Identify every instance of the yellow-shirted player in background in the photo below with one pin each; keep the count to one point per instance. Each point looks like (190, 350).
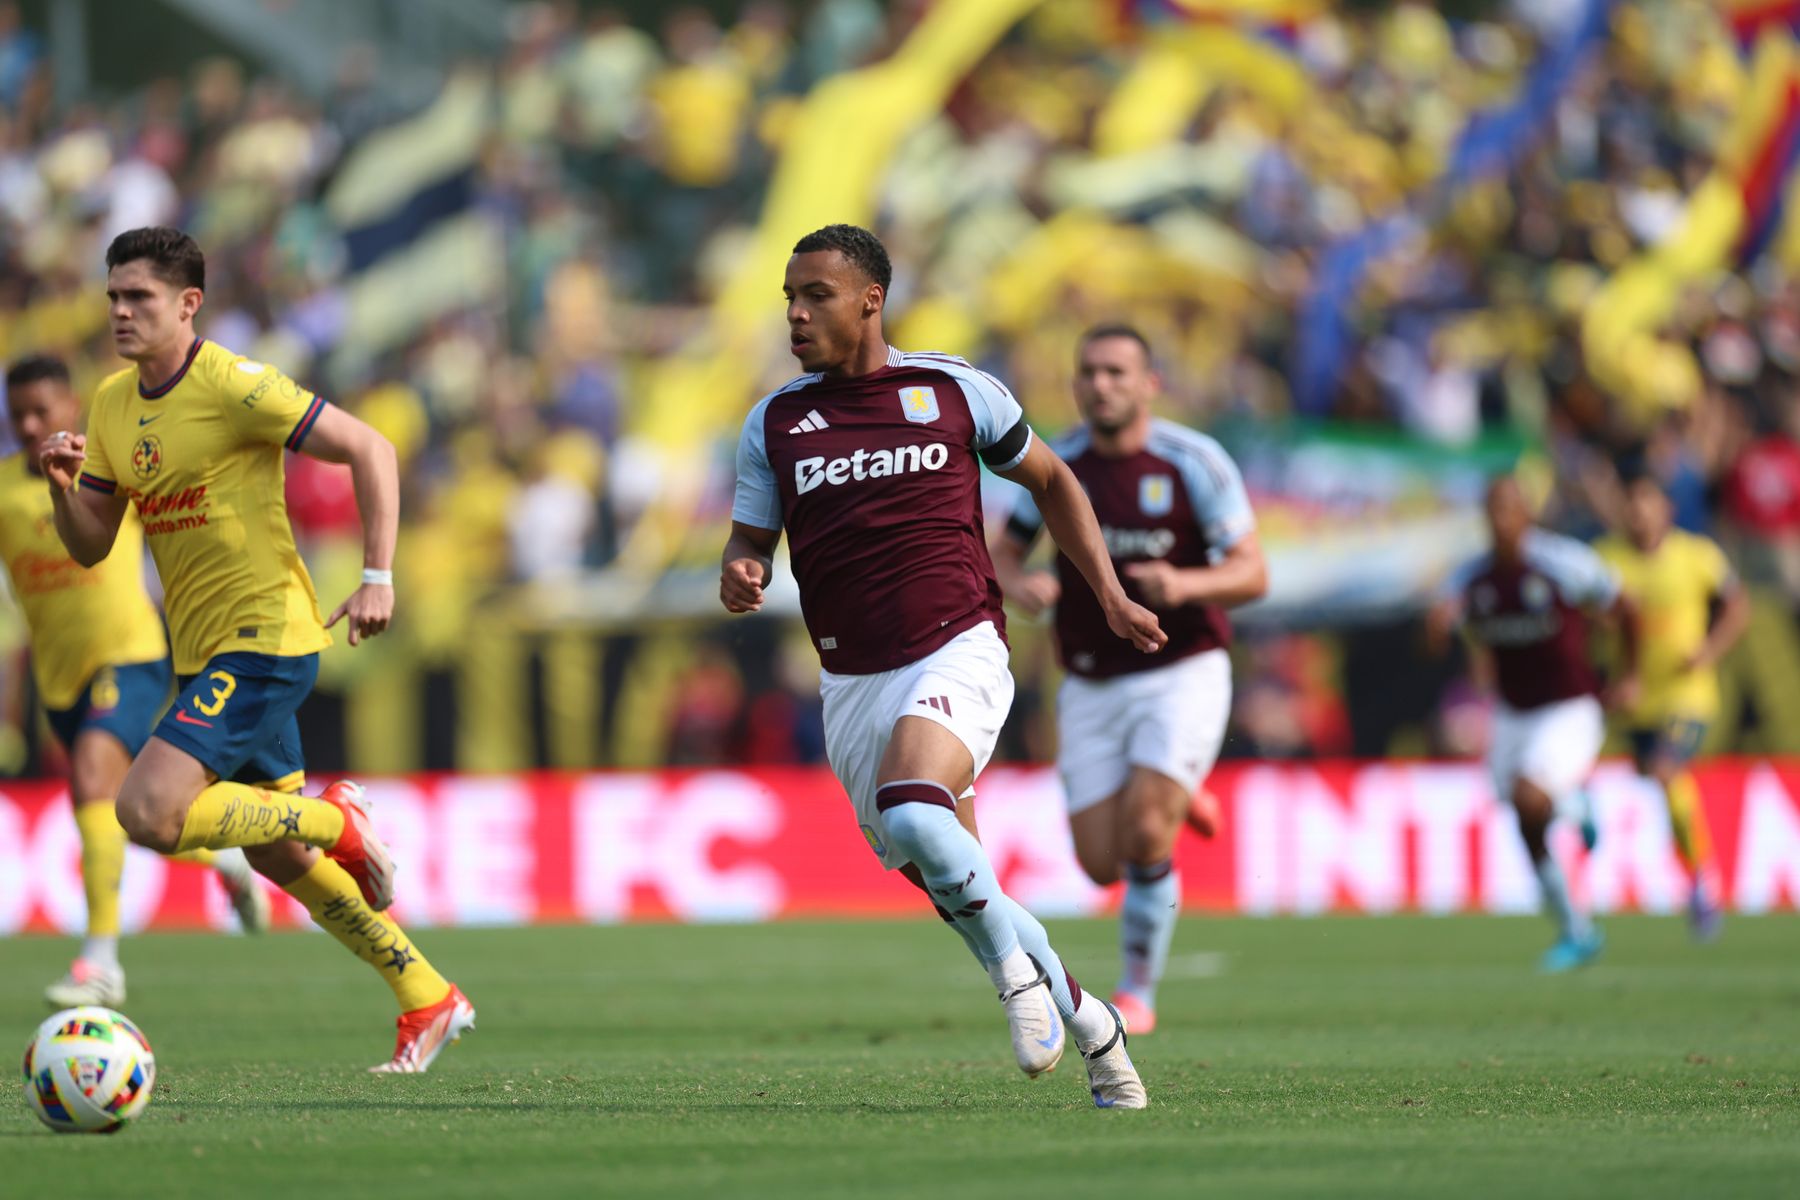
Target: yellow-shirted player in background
(101, 664)
(1679, 581)
(193, 436)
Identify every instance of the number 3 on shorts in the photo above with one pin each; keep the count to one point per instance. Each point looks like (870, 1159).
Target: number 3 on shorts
(221, 693)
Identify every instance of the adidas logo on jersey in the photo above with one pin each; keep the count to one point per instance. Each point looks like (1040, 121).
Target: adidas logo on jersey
(811, 423)
(811, 473)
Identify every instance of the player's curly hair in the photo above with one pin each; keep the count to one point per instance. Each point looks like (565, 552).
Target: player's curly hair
(862, 248)
(173, 255)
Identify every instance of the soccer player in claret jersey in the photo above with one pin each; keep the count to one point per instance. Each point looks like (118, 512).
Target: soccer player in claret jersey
(101, 664)
(1677, 580)
(1527, 607)
(871, 462)
(1137, 735)
(192, 435)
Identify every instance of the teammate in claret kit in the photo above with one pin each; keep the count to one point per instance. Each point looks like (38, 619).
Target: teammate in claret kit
(1137, 735)
(192, 435)
(101, 663)
(1528, 607)
(871, 462)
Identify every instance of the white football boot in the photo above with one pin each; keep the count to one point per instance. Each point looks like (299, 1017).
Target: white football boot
(1112, 1079)
(88, 983)
(1037, 1030)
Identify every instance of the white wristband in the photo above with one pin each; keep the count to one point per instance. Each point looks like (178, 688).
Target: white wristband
(384, 578)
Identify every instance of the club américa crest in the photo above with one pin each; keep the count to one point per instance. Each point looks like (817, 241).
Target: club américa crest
(147, 457)
(103, 693)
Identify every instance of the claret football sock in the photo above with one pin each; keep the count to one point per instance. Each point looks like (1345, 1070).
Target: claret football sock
(337, 907)
(102, 865)
(235, 814)
(920, 820)
(1147, 926)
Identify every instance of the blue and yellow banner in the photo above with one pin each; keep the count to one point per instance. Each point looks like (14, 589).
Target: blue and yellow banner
(1737, 214)
(1491, 141)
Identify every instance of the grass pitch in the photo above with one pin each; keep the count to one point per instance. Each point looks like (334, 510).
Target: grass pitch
(1333, 1057)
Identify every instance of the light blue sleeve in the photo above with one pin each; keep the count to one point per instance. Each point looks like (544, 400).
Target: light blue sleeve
(1575, 568)
(1214, 485)
(995, 411)
(757, 501)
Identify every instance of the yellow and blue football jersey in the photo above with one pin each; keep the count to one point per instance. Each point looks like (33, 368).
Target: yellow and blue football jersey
(200, 457)
(81, 619)
(1673, 587)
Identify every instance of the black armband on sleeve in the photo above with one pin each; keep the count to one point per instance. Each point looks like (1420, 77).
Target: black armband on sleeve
(1022, 532)
(1006, 451)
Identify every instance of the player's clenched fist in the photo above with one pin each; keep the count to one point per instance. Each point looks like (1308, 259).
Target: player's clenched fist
(1158, 581)
(741, 585)
(1137, 625)
(1035, 592)
(61, 457)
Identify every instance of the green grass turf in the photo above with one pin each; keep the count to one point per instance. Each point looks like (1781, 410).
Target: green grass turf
(1333, 1057)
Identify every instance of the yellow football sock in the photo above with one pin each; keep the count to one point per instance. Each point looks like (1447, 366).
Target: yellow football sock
(1693, 838)
(199, 856)
(235, 814)
(336, 905)
(102, 863)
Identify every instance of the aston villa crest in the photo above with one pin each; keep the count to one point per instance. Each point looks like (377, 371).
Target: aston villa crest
(1156, 495)
(919, 404)
(1534, 591)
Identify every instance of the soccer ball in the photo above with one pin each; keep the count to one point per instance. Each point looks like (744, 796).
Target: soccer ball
(88, 1070)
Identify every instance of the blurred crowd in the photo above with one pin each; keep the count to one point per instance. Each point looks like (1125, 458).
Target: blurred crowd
(614, 156)
(1079, 173)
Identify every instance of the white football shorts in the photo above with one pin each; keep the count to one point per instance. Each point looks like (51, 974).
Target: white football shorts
(1170, 719)
(964, 685)
(1554, 746)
